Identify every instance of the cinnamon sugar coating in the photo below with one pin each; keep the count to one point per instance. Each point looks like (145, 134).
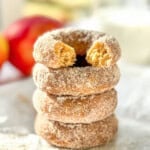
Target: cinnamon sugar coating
(59, 48)
(75, 109)
(75, 81)
(76, 135)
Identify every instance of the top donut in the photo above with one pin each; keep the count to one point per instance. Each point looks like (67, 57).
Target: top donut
(76, 47)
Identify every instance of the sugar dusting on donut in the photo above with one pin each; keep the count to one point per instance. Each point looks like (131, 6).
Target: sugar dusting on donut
(75, 109)
(75, 80)
(77, 135)
(61, 47)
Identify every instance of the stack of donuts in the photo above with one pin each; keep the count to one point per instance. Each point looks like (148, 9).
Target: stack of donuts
(75, 74)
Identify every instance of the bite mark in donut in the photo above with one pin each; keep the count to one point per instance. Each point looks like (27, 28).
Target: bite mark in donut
(98, 55)
(76, 48)
(65, 54)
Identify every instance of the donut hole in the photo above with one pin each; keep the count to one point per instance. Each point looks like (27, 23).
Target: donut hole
(81, 61)
(99, 55)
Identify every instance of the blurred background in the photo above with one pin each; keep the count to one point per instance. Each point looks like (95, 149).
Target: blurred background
(127, 20)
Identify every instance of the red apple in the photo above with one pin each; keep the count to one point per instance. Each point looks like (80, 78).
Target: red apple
(21, 36)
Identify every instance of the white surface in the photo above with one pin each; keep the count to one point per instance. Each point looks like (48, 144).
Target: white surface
(133, 111)
(16, 109)
(9, 73)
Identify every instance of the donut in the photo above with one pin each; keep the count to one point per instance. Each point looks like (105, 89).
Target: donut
(75, 80)
(76, 135)
(66, 47)
(69, 109)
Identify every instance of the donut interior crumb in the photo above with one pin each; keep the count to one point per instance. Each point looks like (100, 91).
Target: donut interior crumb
(98, 55)
(66, 55)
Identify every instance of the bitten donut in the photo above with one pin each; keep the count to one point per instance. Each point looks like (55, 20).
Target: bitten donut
(75, 80)
(76, 135)
(69, 109)
(67, 47)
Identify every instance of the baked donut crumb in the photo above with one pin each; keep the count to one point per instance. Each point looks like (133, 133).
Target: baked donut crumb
(65, 54)
(98, 55)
